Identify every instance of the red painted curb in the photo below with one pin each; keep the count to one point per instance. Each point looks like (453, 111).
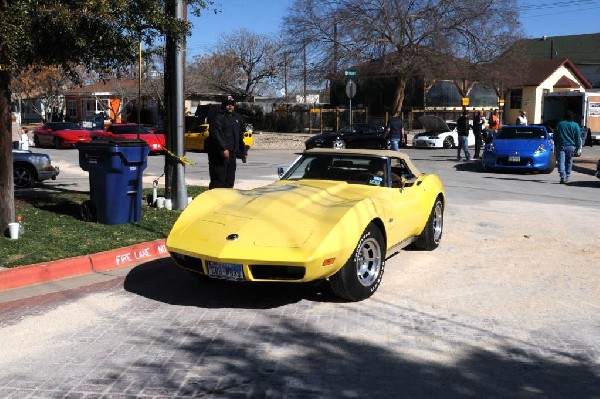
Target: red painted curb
(113, 259)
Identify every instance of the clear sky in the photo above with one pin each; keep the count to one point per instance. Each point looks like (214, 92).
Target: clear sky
(539, 18)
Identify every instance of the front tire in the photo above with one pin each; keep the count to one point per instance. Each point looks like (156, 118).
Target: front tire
(551, 164)
(360, 277)
(448, 142)
(339, 144)
(36, 141)
(431, 236)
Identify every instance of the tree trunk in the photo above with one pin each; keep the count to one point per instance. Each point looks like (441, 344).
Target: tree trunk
(7, 194)
(399, 96)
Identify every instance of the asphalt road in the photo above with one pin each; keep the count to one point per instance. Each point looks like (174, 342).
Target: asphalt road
(506, 307)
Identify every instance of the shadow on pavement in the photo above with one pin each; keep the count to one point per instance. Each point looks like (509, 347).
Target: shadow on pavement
(163, 281)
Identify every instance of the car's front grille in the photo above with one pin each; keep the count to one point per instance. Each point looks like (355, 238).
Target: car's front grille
(188, 262)
(277, 272)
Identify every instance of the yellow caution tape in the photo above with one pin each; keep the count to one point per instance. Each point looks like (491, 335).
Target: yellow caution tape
(182, 159)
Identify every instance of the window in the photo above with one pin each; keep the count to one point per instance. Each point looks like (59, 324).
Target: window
(516, 98)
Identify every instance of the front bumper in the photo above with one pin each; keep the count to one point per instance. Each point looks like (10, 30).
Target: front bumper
(427, 143)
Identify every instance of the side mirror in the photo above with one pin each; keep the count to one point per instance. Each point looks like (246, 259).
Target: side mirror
(280, 171)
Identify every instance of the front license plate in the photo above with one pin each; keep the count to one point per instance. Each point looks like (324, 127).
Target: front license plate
(514, 159)
(225, 271)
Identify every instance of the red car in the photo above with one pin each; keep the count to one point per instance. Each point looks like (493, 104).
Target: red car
(60, 135)
(120, 131)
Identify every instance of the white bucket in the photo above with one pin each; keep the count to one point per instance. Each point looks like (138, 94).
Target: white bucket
(13, 230)
(168, 204)
(189, 200)
(160, 202)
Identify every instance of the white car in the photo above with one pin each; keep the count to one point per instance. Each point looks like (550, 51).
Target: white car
(439, 133)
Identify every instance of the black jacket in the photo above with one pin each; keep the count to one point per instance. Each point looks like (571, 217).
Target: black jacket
(226, 132)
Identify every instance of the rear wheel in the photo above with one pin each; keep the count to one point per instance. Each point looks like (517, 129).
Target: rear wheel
(339, 144)
(360, 277)
(57, 143)
(448, 142)
(432, 233)
(24, 176)
(36, 141)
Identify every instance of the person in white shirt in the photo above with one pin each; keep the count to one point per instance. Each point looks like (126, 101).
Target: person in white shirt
(522, 119)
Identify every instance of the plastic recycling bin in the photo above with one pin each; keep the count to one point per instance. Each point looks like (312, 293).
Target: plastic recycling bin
(115, 171)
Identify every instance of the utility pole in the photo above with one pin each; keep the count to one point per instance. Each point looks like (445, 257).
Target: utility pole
(174, 168)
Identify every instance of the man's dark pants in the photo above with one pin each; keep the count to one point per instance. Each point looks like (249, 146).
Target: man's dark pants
(221, 172)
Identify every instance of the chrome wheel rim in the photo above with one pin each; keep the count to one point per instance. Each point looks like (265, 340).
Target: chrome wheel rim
(368, 261)
(338, 145)
(438, 222)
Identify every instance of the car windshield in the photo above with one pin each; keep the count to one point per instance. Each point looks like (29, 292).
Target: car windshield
(521, 133)
(193, 124)
(62, 126)
(353, 169)
(129, 129)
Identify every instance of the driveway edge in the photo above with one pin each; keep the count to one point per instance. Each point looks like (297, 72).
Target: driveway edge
(133, 255)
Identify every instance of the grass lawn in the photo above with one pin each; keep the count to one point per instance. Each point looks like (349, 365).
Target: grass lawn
(55, 230)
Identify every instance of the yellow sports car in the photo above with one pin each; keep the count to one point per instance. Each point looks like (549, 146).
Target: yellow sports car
(334, 214)
(196, 133)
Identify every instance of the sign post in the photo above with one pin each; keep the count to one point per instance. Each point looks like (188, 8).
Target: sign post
(350, 91)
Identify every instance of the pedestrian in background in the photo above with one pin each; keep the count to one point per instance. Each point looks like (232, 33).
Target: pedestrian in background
(395, 132)
(522, 118)
(462, 127)
(478, 122)
(494, 123)
(224, 144)
(567, 141)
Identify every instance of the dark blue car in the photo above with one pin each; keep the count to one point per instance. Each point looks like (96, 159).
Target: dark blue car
(527, 148)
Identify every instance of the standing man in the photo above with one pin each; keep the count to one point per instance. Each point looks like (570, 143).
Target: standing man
(462, 127)
(478, 122)
(567, 140)
(224, 144)
(395, 131)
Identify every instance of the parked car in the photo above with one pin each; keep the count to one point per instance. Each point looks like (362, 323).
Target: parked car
(335, 214)
(121, 131)
(357, 135)
(439, 133)
(31, 167)
(196, 132)
(60, 135)
(520, 147)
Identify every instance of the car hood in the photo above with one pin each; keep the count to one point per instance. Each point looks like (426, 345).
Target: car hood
(284, 214)
(512, 145)
(433, 123)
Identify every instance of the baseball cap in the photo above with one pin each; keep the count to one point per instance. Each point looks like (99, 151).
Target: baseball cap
(229, 100)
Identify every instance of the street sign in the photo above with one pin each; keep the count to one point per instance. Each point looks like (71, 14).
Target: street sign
(465, 101)
(350, 73)
(350, 89)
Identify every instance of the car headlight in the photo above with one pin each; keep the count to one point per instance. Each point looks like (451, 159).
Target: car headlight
(541, 148)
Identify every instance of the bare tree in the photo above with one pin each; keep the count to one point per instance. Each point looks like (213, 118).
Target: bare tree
(46, 84)
(406, 38)
(244, 64)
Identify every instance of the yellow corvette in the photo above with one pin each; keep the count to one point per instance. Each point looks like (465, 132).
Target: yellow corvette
(196, 133)
(334, 214)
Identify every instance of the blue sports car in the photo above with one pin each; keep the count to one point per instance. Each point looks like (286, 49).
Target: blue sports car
(521, 148)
